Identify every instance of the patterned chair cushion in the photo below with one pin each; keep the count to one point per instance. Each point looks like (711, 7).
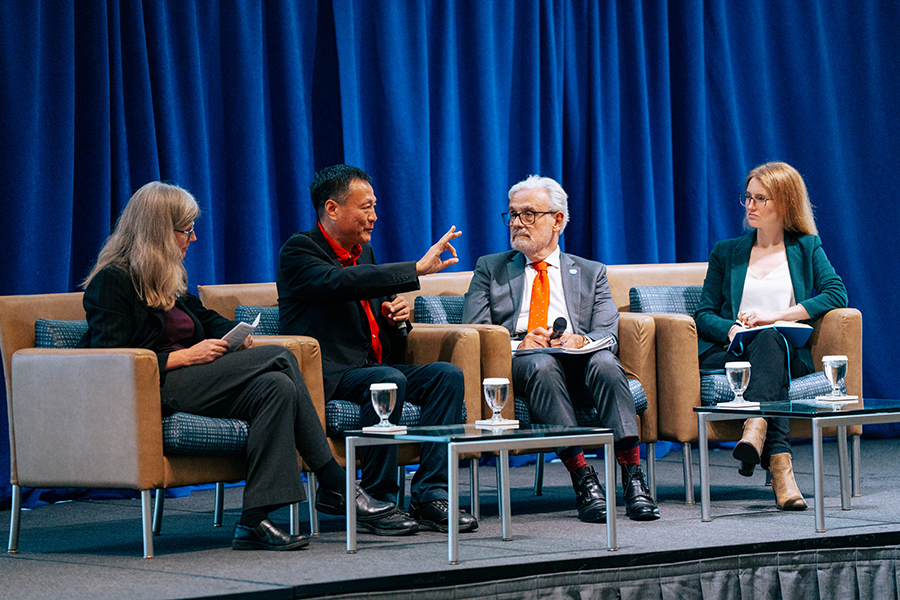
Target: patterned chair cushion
(586, 416)
(182, 433)
(53, 333)
(680, 299)
(343, 415)
(714, 388)
(268, 318)
(445, 310)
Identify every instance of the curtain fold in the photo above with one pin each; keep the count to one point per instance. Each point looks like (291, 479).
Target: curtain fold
(649, 113)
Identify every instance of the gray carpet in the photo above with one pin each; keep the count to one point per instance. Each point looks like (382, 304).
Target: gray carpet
(93, 548)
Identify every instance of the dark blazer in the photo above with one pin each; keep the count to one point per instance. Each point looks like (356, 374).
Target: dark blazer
(816, 286)
(498, 284)
(119, 318)
(320, 298)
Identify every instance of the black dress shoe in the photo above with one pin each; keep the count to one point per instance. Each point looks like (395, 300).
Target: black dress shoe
(435, 516)
(639, 504)
(331, 502)
(397, 523)
(589, 498)
(266, 536)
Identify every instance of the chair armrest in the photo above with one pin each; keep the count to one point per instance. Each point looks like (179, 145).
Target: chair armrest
(86, 417)
(840, 332)
(456, 344)
(637, 353)
(309, 357)
(677, 377)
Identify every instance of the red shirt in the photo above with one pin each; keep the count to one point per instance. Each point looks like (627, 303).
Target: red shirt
(347, 258)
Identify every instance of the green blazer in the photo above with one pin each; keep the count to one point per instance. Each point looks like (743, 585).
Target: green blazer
(816, 286)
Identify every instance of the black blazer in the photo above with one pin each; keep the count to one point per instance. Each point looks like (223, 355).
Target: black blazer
(320, 298)
(119, 318)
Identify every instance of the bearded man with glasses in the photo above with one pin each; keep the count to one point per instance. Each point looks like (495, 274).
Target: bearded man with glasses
(533, 285)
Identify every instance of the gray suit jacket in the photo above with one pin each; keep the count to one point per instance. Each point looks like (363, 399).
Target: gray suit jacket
(495, 294)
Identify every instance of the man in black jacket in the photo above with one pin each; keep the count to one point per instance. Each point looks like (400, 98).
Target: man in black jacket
(330, 288)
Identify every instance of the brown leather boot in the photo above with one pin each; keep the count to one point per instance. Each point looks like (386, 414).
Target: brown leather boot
(787, 494)
(749, 449)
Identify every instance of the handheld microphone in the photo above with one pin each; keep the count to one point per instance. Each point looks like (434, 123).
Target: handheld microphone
(559, 327)
(402, 327)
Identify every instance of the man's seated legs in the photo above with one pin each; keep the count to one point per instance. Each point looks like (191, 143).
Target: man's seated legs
(438, 389)
(598, 380)
(379, 463)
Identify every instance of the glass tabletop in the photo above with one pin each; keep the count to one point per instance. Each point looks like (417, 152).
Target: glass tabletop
(456, 433)
(808, 408)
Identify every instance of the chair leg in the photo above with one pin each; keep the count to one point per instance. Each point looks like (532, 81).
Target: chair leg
(311, 495)
(474, 487)
(146, 522)
(768, 478)
(856, 463)
(14, 515)
(651, 468)
(401, 483)
(158, 510)
(688, 476)
(539, 475)
(220, 504)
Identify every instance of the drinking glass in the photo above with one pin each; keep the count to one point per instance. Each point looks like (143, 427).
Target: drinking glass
(835, 368)
(496, 392)
(738, 374)
(384, 397)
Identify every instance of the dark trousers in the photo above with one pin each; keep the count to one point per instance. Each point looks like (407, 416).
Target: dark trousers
(264, 387)
(552, 383)
(773, 363)
(439, 390)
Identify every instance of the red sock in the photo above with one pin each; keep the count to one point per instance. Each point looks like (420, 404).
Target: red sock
(629, 457)
(576, 462)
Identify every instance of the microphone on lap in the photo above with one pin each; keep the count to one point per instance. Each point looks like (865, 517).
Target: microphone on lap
(559, 327)
(402, 327)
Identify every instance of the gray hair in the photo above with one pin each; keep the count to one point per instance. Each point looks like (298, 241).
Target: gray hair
(557, 195)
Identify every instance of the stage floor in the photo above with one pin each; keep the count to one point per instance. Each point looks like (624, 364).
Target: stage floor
(93, 548)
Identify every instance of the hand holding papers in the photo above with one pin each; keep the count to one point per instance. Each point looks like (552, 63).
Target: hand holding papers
(587, 349)
(237, 336)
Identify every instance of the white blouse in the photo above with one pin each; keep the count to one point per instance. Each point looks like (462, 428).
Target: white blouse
(771, 293)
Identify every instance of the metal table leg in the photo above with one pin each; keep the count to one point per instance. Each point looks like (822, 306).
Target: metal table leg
(818, 475)
(703, 447)
(609, 462)
(844, 466)
(503, 490)
(350, 498)
(453, 493)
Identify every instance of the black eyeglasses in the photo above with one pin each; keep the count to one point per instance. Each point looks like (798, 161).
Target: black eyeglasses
(526, 218)
(746, 197)
(188, 232)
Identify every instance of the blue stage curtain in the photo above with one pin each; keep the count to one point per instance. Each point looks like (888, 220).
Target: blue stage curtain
(649, 113)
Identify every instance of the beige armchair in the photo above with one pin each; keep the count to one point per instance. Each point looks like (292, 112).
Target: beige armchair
(92, 417)
(678, 370)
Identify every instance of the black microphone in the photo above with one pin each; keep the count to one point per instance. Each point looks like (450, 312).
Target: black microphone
(402, 327)
(559, 327)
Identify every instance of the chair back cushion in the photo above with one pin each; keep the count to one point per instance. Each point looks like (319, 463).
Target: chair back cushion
(714, 388)
(343, 415)
(445, 310)
(268, 318)
(54, 333)
(183, 433)
(679, 299)
(586, 416)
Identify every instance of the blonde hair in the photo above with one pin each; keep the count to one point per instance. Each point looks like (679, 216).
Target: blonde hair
(786, 188)
(143, 243)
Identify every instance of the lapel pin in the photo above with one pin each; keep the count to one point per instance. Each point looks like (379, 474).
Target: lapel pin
(573, 271)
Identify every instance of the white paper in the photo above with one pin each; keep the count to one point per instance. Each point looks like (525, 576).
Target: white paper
(237, 336)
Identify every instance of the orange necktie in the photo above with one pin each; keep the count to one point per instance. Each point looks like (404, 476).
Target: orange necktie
(540, 297)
